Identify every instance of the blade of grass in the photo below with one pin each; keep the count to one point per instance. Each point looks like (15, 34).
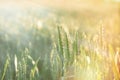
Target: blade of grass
(5, 68)
(34, 69)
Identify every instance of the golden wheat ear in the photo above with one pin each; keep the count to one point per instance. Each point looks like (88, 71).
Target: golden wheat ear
(117, 59)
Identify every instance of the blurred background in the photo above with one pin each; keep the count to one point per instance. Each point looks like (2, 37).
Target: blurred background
(91, 12)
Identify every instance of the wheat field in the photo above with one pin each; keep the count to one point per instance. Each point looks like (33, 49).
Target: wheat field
(60, 40)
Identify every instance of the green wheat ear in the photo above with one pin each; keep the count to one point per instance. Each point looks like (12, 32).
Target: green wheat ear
(75, 47)
(67, 48)
(60, 45)
(76, 44)
(60, 41)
